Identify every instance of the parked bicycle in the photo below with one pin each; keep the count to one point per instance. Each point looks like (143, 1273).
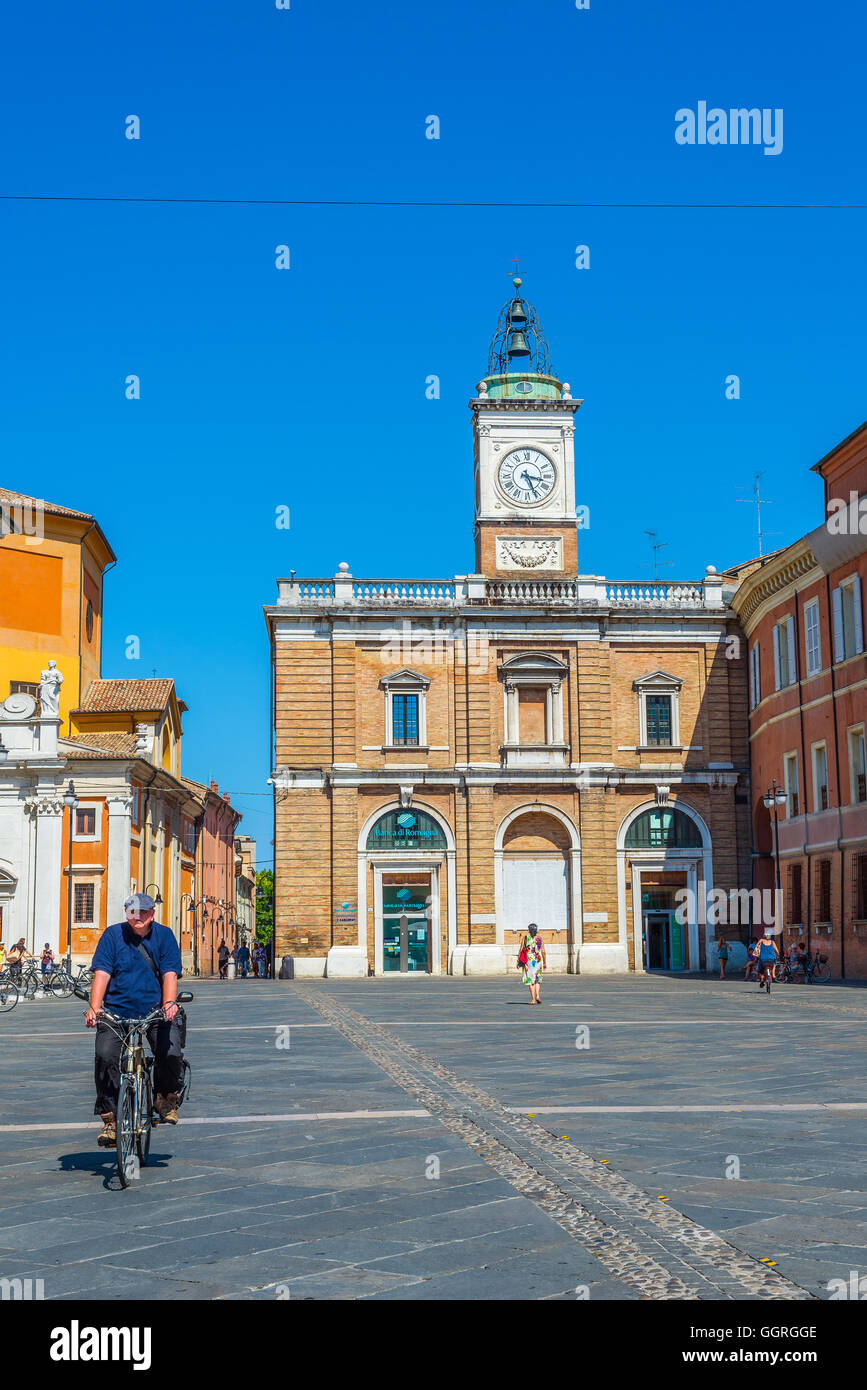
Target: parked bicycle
(815, 970)
(135, 1113)
(8, 993)
(63, 981)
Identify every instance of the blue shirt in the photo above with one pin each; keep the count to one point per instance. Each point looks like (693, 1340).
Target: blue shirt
(133, 989)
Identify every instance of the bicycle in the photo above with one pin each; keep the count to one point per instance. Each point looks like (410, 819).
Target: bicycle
(813, 970)
(135, 1117)
(8, 993)
(63, 983)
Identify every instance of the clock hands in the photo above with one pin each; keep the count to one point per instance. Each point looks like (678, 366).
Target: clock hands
(531, 482)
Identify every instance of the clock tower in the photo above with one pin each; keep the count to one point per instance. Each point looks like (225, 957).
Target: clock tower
(523, 436)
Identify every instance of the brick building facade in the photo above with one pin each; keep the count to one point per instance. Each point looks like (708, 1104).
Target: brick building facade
(801, 610)
(455, 758)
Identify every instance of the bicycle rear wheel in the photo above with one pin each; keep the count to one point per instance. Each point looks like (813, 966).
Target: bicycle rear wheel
(8, 996)
(821, 972)
(127, 1157)
(185, 1088)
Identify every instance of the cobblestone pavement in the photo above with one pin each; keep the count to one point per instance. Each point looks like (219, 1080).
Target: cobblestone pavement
(647, 1244)
(439, 1139)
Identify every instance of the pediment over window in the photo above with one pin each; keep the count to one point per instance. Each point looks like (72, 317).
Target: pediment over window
(534, 667)
(657, 680)
(405, 679)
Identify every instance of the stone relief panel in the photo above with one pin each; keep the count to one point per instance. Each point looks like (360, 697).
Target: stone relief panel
(528, 554)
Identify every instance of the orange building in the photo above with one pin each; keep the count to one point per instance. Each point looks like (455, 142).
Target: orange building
(52, 563)
(135, 825)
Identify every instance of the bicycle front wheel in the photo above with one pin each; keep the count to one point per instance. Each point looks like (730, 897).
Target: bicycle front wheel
(8, 996)
(127, 1157)
(145, 1113)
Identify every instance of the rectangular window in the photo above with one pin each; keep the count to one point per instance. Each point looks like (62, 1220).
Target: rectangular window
(857, 765)
(85, 821)
(404, 715)
(24, 688)
(859, 894)
(784, 653)
(823, 890)
(820, 777)
(795, 897)
(189, 837)
(848, 630)
(755, 676)
(812, 641)
(790, 781)
(136, 806)
(83, 903)
(659, 720)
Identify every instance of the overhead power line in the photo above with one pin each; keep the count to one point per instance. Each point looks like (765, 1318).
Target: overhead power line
(417, 203)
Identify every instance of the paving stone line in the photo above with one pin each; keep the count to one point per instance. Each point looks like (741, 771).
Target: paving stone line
(697, 1261)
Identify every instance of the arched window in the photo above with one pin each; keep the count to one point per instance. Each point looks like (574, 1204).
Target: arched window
(663, 828)
(406, 830)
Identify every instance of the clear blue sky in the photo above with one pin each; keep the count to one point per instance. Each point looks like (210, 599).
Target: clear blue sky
(307, 387)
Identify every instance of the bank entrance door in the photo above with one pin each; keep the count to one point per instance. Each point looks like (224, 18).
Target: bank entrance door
(664, 935)
(406, 937)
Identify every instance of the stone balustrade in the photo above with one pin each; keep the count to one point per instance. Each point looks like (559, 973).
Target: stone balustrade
(583, 591)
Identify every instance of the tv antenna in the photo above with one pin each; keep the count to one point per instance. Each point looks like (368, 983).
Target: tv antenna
(656, 546)
(758, 502)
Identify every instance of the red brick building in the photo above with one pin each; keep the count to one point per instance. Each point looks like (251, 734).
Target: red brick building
(801, 611)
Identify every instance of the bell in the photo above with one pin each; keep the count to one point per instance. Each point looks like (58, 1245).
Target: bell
(518, 346)
(517, 313)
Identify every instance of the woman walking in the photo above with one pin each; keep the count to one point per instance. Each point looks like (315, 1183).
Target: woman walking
(722, 955)
(531, 959)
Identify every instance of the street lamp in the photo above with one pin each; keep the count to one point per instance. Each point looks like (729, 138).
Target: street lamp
(774, 797)
(158, 900)
(70, 801)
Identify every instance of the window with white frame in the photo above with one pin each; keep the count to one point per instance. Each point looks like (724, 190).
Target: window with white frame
(533, 700)
(658, 710)
(857, 764)
(755, 676)
(820, 777)
(790, 782)
(784, 653)
(84, 904)
(87, 821)
(405, 709)
(812, 639)
(848, 627)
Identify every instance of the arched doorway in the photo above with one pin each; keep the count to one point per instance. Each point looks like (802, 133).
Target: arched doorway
(661, 851)
(406, 876)
(538, 879)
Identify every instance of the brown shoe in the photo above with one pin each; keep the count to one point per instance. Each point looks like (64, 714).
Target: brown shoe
(166, 1108)
(108, 1138)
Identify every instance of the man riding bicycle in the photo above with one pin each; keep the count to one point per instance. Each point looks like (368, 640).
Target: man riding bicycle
(136, 968)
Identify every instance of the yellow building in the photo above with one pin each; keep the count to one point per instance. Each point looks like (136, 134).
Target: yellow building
(52, 563)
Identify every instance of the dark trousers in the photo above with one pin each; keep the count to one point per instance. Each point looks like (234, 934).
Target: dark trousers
(166, 1041)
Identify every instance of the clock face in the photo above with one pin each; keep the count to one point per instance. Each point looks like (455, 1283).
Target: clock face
(526, 476)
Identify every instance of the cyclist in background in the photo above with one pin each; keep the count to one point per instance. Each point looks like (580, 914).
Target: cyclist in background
(768, 957)
(136, 968)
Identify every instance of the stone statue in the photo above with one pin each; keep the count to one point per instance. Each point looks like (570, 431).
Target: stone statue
(49, 691)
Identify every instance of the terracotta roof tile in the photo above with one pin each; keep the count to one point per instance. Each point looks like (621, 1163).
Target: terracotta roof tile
(127, 695)
(100, 745)
(13, 499)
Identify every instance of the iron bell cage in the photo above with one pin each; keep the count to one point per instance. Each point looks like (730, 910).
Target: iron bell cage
(519, 346)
